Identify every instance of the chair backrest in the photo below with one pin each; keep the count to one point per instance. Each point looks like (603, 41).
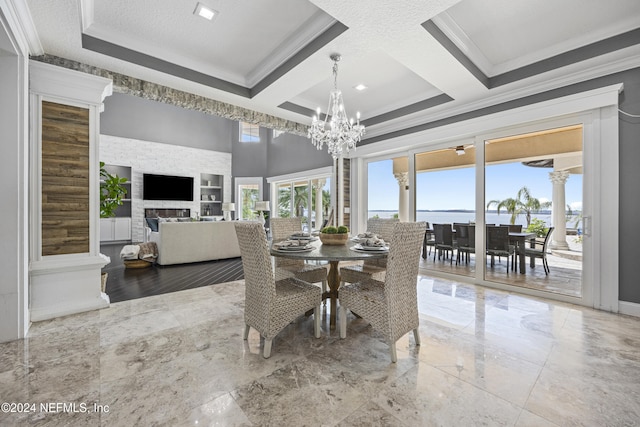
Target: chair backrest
(546, 239)
(281, 229)
(513, 228)
(498, 238)
(400, 286)
(260, 287)
(383, 227)
(462, 234)
(443, 234)
(472, 236)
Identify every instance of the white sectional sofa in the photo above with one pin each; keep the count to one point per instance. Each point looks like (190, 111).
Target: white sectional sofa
(185, 242)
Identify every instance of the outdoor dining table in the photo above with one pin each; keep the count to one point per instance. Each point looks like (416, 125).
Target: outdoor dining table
(519, 239)
(333, 254)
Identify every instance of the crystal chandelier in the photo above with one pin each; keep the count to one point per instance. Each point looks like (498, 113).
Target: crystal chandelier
(336, 130)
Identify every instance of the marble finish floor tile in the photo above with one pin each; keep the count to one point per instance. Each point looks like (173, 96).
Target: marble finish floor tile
(487, 357)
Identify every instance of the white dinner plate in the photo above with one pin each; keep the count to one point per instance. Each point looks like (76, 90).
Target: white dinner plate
(295, 248)
(309, 238)
(370, 248)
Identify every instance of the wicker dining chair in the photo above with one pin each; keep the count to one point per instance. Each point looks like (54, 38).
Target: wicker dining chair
(390, 306)
(281, 229)
(375, 268)
(271, 305)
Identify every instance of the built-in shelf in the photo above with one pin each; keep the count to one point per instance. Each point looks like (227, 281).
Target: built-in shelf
(211, 194)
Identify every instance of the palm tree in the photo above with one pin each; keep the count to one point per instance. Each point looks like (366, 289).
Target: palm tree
(524, 203)
(300, 198)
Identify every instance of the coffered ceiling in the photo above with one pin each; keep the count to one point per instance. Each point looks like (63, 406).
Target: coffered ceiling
(420, 59)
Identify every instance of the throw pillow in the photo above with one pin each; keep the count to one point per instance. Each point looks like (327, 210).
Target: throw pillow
(152, 223)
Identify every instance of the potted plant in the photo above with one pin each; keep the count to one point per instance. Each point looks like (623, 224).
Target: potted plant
(111, 194)
(334, 235)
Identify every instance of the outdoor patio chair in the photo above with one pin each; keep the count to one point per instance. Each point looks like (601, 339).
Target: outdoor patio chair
(470, 247)
(498, 245)
(443, 241)
(271, 305)
(428, 242)
(462, 238)
(391, 307)
(534, 253)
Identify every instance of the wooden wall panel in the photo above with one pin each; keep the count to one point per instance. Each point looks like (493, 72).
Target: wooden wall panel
(65, 179)
(346, 203)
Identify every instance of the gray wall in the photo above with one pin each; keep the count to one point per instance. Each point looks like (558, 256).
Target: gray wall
(629, 192)
(291, 153)
(285, 154)
(129, 116)
(250, 158)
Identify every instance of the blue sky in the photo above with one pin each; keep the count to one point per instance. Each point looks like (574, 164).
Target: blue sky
(455, 189)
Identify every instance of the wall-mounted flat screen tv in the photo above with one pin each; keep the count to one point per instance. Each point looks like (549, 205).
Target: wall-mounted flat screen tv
(166, 187)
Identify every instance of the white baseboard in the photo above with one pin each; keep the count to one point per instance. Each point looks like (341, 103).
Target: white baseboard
(630, 308)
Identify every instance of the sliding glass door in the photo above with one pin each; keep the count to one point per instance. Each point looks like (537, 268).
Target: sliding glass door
(533, 186)
(445, 196)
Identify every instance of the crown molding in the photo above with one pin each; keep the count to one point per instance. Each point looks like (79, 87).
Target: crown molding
(87, 8)
(315, 26)
(19, 19)
(452, 30)
(625, 59)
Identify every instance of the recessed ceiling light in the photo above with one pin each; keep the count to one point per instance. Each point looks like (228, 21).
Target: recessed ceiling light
(360, 87)
(205, 12)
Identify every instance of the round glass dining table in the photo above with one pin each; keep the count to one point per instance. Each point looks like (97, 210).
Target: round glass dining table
(333, 254)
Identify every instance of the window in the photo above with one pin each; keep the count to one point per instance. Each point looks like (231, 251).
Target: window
(248, 192)
(304, 194)
(249, 132)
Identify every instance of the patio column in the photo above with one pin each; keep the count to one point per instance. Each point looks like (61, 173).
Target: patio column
(319, 185)
(559, 236)
(403, 197)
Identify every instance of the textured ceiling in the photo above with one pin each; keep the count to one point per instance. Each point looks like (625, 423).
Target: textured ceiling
(419, 58)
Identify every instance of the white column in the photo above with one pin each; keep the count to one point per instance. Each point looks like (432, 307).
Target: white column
(68, 283)
(559, 236)
(319, 219)
(403, 195)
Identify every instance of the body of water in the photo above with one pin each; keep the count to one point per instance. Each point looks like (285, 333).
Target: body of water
(446, 217)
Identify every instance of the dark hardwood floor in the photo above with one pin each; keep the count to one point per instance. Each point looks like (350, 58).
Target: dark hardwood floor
(130, 283)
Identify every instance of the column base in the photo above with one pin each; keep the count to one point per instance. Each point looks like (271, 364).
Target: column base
(66, 285)
(561, 246)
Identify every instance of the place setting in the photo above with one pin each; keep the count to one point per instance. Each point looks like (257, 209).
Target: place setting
(369, 242)
(302, 236)
(293, 245)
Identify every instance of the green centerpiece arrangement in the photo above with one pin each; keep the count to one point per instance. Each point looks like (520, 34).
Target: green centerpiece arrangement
(334, 235)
